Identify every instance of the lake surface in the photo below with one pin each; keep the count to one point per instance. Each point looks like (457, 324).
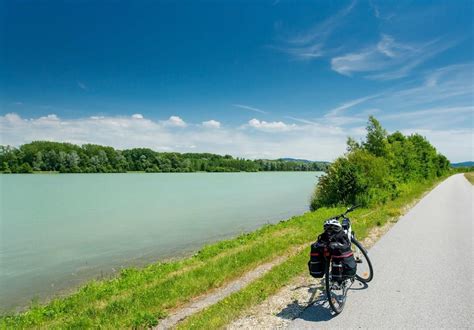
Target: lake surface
(57, 231)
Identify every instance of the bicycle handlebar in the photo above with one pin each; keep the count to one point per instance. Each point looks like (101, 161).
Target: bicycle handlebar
(349, 209)
(352, 208)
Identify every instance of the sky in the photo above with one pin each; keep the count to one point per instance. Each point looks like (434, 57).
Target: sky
(255, 79)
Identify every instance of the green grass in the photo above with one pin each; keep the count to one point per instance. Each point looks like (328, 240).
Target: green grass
(140, 297)
(470, 177)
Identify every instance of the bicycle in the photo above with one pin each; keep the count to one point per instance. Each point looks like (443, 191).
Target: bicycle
(336, 291)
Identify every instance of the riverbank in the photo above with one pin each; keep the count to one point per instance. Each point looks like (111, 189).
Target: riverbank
(140, 297)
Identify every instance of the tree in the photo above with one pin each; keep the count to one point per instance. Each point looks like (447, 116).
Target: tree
(352, 144)
(375, 142)
(374, 172)
(88, 158)
(6, 168)
(38, 163)
(25, 168)
(72, 161)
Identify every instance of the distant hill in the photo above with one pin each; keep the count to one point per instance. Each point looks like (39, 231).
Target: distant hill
(303, 160)
(463, 164)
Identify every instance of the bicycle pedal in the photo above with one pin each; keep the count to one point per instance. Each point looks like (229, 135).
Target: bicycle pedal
(358, 261)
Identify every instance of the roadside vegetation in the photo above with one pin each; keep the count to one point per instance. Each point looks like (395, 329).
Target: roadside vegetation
(141, 297)
(44, 156)
(470, 177)
(375, 170)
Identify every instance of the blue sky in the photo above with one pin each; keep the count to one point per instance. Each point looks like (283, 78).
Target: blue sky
(259, 79)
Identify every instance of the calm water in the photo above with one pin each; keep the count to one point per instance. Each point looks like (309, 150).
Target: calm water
(59, 230)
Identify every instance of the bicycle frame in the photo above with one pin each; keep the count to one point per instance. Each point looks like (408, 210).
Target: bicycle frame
(360, 254)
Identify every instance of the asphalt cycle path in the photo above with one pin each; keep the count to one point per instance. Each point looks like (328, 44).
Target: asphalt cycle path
(423, 270)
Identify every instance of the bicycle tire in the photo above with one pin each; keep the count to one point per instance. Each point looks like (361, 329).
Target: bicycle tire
(369, 263)
(337, 309)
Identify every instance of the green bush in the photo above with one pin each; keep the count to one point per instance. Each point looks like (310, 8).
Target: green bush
(371, 172)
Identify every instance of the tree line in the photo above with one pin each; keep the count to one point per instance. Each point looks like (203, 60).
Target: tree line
(378, 168)
(91, 158)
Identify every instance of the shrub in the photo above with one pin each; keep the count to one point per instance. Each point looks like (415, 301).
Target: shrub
(372, 171)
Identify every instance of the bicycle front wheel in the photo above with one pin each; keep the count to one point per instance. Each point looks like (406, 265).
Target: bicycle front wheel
(336, 292)
(365, 271)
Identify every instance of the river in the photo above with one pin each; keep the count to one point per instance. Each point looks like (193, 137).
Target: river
(59, 230)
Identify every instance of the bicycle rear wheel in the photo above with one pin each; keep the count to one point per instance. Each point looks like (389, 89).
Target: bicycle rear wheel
(365, 271)
(336, 292)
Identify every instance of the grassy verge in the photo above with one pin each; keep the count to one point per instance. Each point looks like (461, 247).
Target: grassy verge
(470, 177)
(235, 305)
(139, 297)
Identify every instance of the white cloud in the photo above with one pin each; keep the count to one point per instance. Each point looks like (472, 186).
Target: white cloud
(314, 142)
(310, 139)
(247, 107)
(273, 126)
(175, 121)
(211, 124)
(388, 59)
(137, 116)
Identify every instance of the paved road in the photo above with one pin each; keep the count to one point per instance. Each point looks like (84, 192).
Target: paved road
(423, 270)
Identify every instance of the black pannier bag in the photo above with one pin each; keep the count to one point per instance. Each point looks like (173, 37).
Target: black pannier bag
(343, 266)
(339, 247)
(342, 258)
(317, 262)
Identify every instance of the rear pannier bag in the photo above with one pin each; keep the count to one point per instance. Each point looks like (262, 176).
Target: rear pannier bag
(317, 262)
(343, 266)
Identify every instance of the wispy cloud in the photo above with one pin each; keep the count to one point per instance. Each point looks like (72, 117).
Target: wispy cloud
(388, 59)
(82, 86)
(450, 86)
(247, 107)
(430, 112)
(378, 14)
(311, 44)
(349, 104)
(302, 120)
